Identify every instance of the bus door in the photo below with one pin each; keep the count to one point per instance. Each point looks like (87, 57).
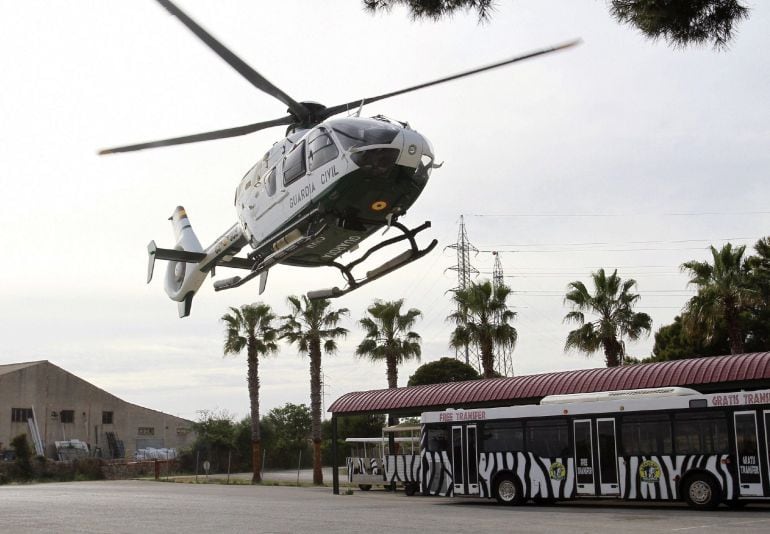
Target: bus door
(608, 457)
(747, 450)
(465, 460)
(584, 462)
(767, 441)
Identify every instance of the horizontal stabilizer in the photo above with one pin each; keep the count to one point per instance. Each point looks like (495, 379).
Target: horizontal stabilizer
(156, 253)
(179, 255)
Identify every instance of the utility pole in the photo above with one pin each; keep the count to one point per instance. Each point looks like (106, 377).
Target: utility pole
(465, 271)
(504, 356)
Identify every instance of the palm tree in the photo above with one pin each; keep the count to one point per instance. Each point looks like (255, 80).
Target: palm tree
(724, 292)
(310, 323)
(482, 319)
(759, 268)
(613, 302)
(250, 327)
(388, 336)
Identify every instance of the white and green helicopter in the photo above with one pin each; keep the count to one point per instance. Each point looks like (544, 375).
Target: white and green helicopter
(315, 195)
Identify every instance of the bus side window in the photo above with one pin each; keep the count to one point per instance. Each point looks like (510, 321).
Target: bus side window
(438, 439)
(646, 434)
(701, 433)
(502, 437)
(548, 439)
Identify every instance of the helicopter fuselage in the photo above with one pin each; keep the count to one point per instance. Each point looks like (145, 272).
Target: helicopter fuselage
(345, 177)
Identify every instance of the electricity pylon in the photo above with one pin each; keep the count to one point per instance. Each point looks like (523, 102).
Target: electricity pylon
(504, 356)
(465, 270)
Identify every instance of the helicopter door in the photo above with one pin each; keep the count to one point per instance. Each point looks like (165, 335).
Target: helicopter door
(323, 163)
(296, 187)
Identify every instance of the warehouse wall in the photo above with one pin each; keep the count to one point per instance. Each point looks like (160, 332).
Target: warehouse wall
(67, 407)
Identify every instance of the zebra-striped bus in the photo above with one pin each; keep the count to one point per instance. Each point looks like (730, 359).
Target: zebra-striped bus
(648, 444)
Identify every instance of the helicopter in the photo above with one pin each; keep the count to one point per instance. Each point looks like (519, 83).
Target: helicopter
(315, 195)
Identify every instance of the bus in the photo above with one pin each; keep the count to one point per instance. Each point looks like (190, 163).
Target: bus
(647, 444)
(372, 463)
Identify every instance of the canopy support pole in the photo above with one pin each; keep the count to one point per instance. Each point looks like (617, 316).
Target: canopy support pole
(335, 467)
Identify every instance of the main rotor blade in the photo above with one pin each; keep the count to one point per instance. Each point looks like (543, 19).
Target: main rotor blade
(207, 136)
(355, 103)
(256, 79)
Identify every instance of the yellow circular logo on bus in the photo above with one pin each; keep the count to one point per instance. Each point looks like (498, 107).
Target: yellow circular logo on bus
(557, 471)
(379, 205)
(649, 471)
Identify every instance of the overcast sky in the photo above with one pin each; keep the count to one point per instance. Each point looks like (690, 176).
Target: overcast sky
(621, 153)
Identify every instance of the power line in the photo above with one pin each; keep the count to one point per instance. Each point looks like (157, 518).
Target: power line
(664, 214)
(594, 250)
(621, 242)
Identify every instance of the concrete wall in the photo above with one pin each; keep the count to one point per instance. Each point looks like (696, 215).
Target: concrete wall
(49, 390)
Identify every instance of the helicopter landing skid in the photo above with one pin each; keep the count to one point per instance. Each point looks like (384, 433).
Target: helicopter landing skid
(273, 259)
(414, 253)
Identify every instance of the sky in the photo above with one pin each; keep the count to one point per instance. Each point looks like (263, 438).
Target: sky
(621, 153)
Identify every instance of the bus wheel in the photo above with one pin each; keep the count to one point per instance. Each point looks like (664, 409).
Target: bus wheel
(364, 487)
(701, 492)
(411, 488)
(508, 490)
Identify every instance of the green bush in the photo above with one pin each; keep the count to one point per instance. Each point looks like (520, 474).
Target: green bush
(23, 464)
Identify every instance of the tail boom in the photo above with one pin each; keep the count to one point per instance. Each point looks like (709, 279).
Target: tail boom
(189, 264)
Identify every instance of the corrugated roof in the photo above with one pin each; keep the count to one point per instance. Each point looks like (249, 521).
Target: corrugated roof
(704, 374)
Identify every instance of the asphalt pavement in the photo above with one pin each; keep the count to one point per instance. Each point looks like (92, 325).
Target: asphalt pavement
(149, 506)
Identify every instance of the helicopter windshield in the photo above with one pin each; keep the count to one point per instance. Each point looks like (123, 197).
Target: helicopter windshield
(362, 132)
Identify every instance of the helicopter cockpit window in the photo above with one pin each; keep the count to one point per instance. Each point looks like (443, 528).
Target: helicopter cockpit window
(294, 164)
(363, 132)
(321, 150)
(270, 183)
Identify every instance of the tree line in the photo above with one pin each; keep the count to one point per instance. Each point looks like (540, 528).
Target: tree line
(312, 326)
(226, 442)
(729, 313)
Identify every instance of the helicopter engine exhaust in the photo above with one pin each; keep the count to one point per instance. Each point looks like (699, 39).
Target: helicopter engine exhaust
(183, 279)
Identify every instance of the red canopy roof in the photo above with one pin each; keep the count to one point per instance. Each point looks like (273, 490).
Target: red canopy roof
(717, 373)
